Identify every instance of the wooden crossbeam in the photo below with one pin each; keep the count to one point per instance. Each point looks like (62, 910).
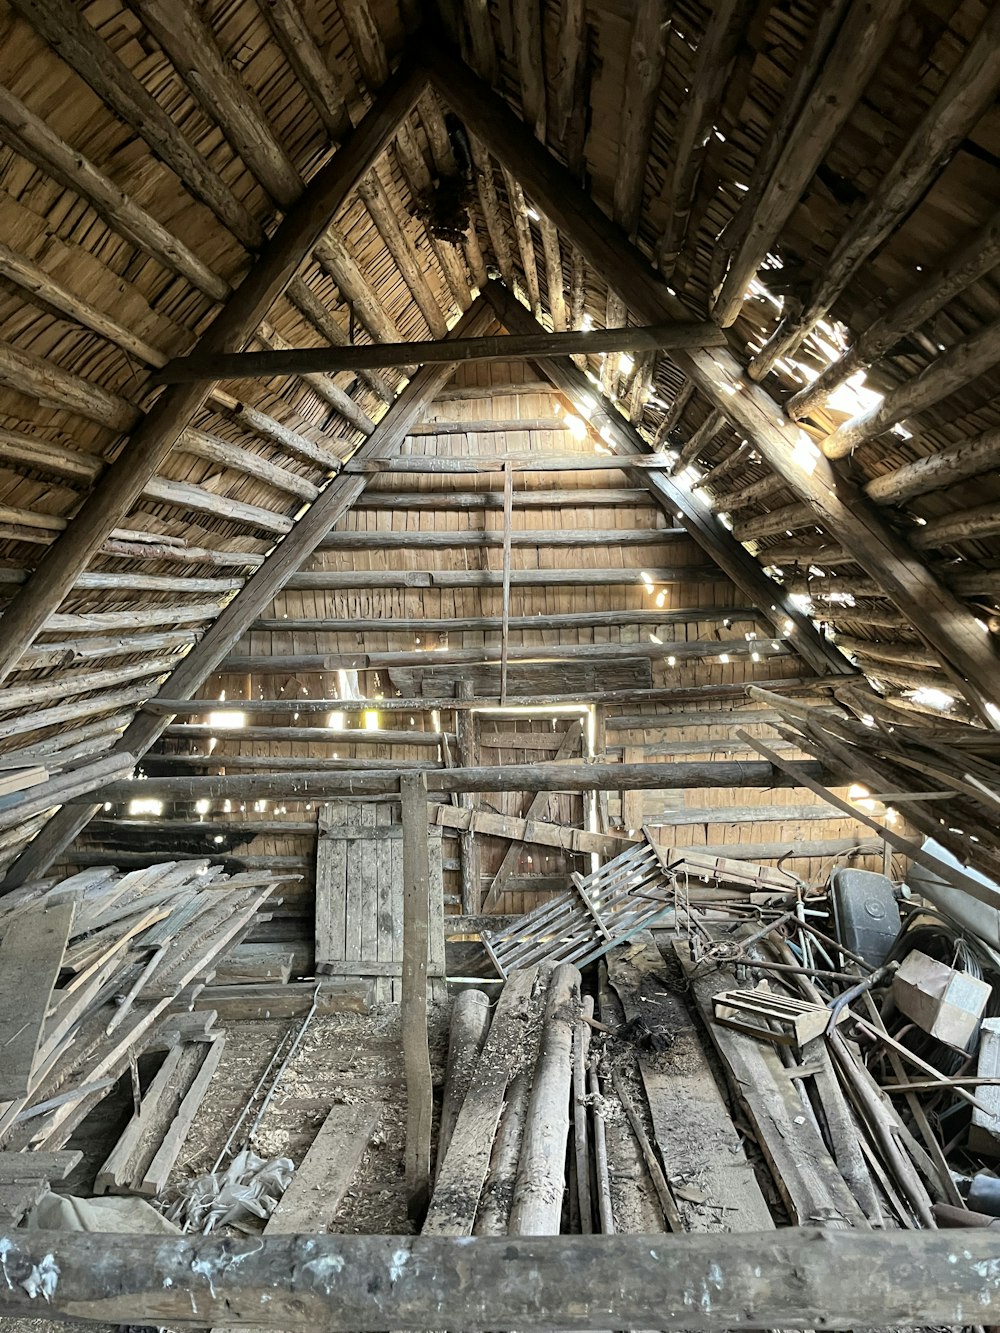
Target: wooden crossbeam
(312, 360)
(789, 1278)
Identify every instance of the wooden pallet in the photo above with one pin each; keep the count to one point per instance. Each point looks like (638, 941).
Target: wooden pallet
(359, 896)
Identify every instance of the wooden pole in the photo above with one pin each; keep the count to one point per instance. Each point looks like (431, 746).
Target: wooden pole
(509, 347)
(156, 435)
(508, 506)
(470, 1022)
(468, 844)
(790, 1278)
(323, 784)
(536, 1209)
(959, 462)
(416, 937)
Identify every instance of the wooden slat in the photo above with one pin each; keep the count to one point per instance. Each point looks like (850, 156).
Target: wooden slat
(31, 956)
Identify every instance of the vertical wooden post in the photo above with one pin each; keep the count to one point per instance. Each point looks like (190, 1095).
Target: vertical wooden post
(508, 507)
(416, 1056)
(600, 750)
(468, 757)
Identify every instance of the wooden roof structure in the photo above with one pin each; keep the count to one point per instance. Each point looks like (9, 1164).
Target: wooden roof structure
(819, 182)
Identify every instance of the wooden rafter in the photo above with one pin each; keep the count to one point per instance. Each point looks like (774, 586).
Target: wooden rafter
(157, 433)
(945, 623)
(259, 590)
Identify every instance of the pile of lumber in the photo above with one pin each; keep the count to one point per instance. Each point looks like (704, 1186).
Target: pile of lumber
(89, 968)
(501, 1162)
(940, 773)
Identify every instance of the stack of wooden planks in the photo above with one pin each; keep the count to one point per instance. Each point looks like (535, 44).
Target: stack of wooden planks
(87, 967)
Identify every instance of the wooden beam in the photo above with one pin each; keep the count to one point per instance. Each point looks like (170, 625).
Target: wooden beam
(459, 624)
(321, 317)
(262, 587)
(966, 96)
(963, 526)
(472, 540)
(261, 663)
(509, 347)
(938, 616)
(699, 439)
(489, 426)
(646, 59)
(159, 430)
(843, 74)
(30, 136)
(810, 62)
(416, 939)
(163, 705)
(675, 499)
(316, 579)
(217, 88)
(582, 497)
(959, 462)
(792, 1277)
(933, 291)
(325, 784)
(80, 45)
(959, 365)
(713, 61)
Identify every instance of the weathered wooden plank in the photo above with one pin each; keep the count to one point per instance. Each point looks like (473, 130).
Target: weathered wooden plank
(416, 927)
(322, 1177)
(691, 1123)
(31, 955)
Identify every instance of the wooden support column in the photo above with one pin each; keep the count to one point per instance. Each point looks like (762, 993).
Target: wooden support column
(416, 937)
(158, 432)
(938, 616)
(468, 845)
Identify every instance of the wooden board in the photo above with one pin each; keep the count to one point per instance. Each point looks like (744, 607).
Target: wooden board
(359, 896)
(805, 1173)
(691, 1123)
(30, 958)
(321, 1179)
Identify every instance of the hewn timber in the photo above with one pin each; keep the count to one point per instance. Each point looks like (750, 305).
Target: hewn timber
(579, 497)
(510, 777)
(315, 579)
(503, 347)
(673, 498)
(935, 612)
(416, 944)
(790, 1278)
(159, 430)
(262, 664)
(443, 541)
(523, 461)
(459, 624)
(164, 705)
(257, 592)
